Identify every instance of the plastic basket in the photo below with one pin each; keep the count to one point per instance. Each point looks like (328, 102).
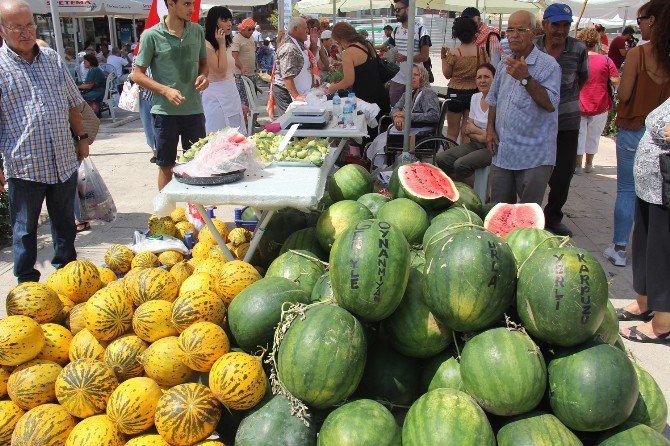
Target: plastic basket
(249, 225)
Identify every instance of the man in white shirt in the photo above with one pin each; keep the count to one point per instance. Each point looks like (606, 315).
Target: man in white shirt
(257, 37)
(117, 61)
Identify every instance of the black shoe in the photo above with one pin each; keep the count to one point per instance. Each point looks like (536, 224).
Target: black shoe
(624, 315)
(559, 229)
(153, 160)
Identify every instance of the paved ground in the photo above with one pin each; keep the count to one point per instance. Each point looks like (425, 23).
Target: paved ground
(122, 157)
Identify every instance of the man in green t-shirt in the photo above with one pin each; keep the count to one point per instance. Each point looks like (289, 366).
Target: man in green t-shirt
(174, 49)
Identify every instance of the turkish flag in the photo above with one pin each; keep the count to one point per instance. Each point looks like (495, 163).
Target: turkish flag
(159, 10)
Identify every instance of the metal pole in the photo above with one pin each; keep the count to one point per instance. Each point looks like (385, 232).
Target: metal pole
(334, 11)
(625, 17)
(58, 33)
(134, 29)
(372, 23)
(280, 16)
(411, 34)
(75, 32)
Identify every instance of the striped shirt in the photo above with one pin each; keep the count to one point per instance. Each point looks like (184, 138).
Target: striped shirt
(574, 62)
(527, 132)
(400, 37)
(35, 100)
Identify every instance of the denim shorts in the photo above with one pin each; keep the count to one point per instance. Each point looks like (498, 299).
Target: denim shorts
(168, 129)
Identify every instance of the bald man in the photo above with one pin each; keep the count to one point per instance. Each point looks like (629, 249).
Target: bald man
(40, 151)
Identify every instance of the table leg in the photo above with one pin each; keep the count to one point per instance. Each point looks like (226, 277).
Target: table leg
(258, 233)
(215, 233)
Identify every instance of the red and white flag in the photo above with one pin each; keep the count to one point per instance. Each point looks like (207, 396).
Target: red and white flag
(159, 10)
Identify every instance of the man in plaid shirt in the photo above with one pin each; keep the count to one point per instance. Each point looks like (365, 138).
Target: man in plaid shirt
(41, 139)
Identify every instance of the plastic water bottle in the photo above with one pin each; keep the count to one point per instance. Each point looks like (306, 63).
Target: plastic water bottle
(337, 107)
(348, 115)
(352, 100)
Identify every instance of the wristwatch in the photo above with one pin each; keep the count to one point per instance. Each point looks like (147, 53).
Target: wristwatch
(525, 80)
(80, 137)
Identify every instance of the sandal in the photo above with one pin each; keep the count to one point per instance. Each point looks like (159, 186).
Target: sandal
(625, 315)
(83, 226)
(637, 336)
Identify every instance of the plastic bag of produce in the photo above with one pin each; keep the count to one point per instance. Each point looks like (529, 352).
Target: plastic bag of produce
(157, 244)
(95, 201)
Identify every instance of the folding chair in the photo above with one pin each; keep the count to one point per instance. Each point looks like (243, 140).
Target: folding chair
(110, 99)
(255, 107)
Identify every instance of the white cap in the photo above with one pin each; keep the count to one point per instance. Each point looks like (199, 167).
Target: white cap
(327, 34)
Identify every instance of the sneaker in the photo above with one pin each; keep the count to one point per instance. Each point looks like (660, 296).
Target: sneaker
(588, 168)
(578, 170)
(618, 258)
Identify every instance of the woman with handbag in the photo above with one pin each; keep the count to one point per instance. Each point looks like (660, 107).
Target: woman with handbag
(594, 99)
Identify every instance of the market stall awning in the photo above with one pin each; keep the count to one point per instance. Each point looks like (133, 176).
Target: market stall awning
(232, 3)
(326, 6)
(92, 8)
(489, 6)
(604, 9)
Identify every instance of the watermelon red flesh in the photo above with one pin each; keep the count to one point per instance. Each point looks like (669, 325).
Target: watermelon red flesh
(505, 217)
(427, 185)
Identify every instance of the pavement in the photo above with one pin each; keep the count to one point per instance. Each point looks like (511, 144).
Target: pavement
(122, 157)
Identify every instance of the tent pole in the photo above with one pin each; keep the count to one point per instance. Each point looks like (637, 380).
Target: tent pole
(134, 29)
(58, 33)
(334, 11)
(581, 14)
(372, 23)
(75, 31)
(625, 17)
(411, 34)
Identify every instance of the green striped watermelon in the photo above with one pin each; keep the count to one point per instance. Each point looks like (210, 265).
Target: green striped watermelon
(333, 221)
(283, 223)
(407, 216)
(373, 201)
(446, 417)
(301, 267)
(525, 241)
(468, 198)
(350, 182)
(389, 376)
(632, 434)
(561, 295)
(360, 423)
(536, 429)
(322, 356)
(469, 282)
(609, 328)
(504, 371)
(254, 313)
(413, 330)
(369, 269)
(304, 240)
(651, 408)
(442, 371)
(449, 222)
(592, 387)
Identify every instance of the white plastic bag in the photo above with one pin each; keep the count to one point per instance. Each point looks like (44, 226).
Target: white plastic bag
(130, 97)
(157, 244)
(95, 201)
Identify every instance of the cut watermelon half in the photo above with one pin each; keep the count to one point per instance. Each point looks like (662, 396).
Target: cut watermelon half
(427, 185)
(504, 217)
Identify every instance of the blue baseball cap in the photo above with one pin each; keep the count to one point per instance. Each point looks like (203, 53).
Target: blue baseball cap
(558, 12)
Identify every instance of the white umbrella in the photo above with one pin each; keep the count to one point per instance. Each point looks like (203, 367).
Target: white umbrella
(604, 9)
(326, 6)
(490, 6)
(228, 3)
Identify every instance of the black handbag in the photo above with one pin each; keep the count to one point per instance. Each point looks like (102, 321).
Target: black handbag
(664, 162)
(387, 70)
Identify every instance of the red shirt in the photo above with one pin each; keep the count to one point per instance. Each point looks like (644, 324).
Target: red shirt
(619, 43)
(594, 98)
(604, 40)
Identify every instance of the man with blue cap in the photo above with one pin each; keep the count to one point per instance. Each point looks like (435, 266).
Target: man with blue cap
(572, 56)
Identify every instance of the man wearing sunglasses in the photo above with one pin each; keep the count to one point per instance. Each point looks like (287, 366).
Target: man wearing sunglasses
(572, 56)
(244, 48)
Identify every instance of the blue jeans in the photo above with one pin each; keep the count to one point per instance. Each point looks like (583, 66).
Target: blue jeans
(147, 125)
(25, 203)
(624, 206)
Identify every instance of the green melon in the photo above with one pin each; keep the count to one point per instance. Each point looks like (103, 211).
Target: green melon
(389, 376)
(629, 434)
(592, 387)
(322, 356)
(406, 215)
(504, 371)
(273, 424)
(249, 214)
(360, 423)
(254, 313)
(369, 269)
(651, 408)
(609, 328)
(446, 417)
(536, 429)
(304, 240)
(468, 198)
(283, 223)
(413, 330)
(525, 241)
(449, 222)
(561, 295)
(350, 182)
(300, 267)
(322, 290)
(338, 217)
(442, 372)
(373, 201)
(418, 258)
(469, 282)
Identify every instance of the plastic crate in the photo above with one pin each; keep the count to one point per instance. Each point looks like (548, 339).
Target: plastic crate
(249, 225)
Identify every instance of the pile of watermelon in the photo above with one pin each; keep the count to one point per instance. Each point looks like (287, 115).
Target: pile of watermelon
(423, 320)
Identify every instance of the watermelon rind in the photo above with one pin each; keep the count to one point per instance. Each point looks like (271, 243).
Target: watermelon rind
(632, 434)
(496, 220)
(305, 240)
(333, 221)
(609, 328)
(536, 428)
(360, 423)
(350, 182)
(301, 267)
(442, 371)
(432, 201)
(651, 408)
(526, 241)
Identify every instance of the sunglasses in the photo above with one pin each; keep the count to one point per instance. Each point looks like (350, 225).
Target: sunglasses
(399, 9)
(644, 17)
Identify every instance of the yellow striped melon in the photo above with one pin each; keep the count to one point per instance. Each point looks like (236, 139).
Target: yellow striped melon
(132, 406)
(181, 271)
(80, 280)
(86, 346)
(162, 226)
(210, 266)
(170, 258)
(21, 339)
(34, 300)
(57, 344)
(197, 306)
(161, 363)
(201, 344)
(145, 259)
(238, 380)
(241, 250)
(96, 430)
(154, 284)
(151, 320)
(234, 277)
(147, 440)
(238, 236)
(216, 253)
(183, 227)
(45, 425)
(201, 249)
(130, 280)
(205, 235)
(198, 282)
(55, 280)
(76, 321)
(121, 357)
(193, 262)
(119, 258)
(209, 443)
(178, 214)
(115, 283)
(106, 275)
(187, 413)
(108, 314)
(10, 414)
(4, 377)
(84, 386)
(33, 383)
(65, 311)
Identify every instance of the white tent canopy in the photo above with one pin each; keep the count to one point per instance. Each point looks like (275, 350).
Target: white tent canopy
(326, 6)
(91, 8)
(205, 5)
(488, 6)
(604, 9)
